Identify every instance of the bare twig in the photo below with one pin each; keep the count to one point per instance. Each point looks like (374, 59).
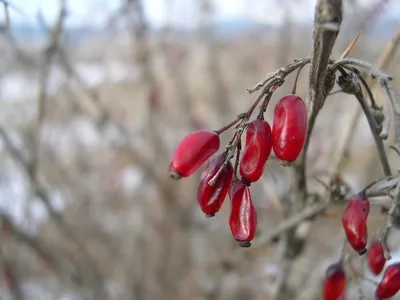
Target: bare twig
(350, 130)
(291, 222)
(282, 72)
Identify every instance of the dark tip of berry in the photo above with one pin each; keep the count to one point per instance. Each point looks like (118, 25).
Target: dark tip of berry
(245, 244)
(285, 163)
(209, 215)
(362, 251)
(175, 175)
(246, 182)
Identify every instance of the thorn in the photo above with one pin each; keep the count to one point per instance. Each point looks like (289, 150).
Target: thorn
(350, 46)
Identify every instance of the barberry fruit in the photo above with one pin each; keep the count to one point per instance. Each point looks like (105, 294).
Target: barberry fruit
(335, 282)
(376, 258)
(194, 149)
(355, 222)
(211, 195)
(289, 129)
(257, 150)
(390, 283)
(243, 216)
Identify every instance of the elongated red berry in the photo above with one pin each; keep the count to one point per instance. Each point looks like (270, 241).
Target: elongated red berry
(257, 150)
(335, 282)
(289, 129)
(211, 197)
(192, 152)
(390, 283)
(376, 258)
(243, 217)
(355, 222)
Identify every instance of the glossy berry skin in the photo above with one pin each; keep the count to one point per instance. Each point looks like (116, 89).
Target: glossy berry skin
(355, 222)
(376, 258)
(335, 282)
(390, 283)
(257, 150)
(194, 149)
(289, 128)
(243, 216)
(211, 197)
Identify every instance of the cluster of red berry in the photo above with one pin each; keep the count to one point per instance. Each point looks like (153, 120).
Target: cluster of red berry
(220, 178)
(354, 223)
(335, 278)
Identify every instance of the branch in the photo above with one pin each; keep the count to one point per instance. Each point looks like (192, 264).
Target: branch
(282, 72)
(328, 18)
(350, 130)
(15, 153)
(291, 222)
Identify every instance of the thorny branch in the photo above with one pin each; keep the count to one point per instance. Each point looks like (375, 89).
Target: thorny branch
(322, 77)
(328, 18)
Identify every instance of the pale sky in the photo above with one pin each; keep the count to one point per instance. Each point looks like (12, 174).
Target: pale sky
(183, 12)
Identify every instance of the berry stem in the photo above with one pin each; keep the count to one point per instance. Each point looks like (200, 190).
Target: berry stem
(228, 157)
(269, 89)
(264, 105)
(296, 79)
(226, 127)
(238, 149)
(343, 251)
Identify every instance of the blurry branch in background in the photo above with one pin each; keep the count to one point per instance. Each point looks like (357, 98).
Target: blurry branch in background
(10, 277)
(7, 15)
(219, 89)
(31, 166)
(285, 33)
(389, 52)
(8, 4)
(45, 258)
(48, 54)
(175, 58)
(73, 75)
(373, 12)
(142, 54)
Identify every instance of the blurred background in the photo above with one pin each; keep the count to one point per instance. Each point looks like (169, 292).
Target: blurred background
(94, 97)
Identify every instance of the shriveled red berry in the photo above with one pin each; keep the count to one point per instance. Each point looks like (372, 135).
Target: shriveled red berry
(192, 152)
(335, 283)
(289, 129)
(257, 150)
(355, 222)
(390, 283)
(211, 197)
(243, 216)
(376, 258)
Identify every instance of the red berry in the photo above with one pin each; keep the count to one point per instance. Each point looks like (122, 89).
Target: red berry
(390, 283)
(192, 152)
(335, 282)
(257, 150)
(243, 217)
(289, 129)
(211, 197)
(355, 222)
(376, 258)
